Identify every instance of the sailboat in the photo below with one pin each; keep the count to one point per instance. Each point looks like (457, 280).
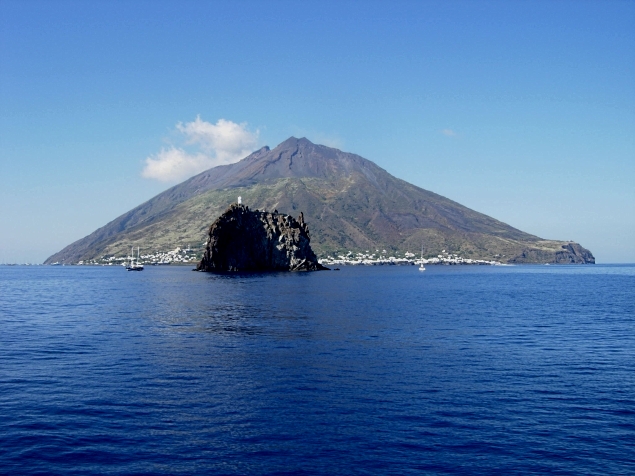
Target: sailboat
(134, 266)
(422, 267)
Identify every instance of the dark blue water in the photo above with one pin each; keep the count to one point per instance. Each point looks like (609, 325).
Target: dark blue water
(384, 370)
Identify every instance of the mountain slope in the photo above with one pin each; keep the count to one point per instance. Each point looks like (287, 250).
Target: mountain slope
(349, 202)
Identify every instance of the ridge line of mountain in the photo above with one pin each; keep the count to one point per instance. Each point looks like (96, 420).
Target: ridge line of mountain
(338, 191)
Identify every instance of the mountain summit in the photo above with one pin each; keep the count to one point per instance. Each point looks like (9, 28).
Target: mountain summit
(351, 203)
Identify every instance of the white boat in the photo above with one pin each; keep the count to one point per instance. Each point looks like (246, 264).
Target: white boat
(134, 266)
(421, 266)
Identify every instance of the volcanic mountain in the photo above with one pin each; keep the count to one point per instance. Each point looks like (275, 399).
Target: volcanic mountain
(349, 203)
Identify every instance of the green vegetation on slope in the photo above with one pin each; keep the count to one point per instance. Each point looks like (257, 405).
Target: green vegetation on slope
(340, 219)
(350, 204)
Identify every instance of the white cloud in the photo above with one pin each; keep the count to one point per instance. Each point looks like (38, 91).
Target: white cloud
(174, 165)
(448, 132)
(228, 140)
(222, 143)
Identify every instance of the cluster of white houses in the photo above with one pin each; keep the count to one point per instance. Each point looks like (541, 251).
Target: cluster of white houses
(380, 257)
(409, 259)
(176, 256)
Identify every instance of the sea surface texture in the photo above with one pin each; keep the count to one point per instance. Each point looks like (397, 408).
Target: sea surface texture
(367, 370)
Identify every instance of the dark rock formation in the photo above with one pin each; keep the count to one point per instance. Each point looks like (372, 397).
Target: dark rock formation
(571, 253)
(244, 240)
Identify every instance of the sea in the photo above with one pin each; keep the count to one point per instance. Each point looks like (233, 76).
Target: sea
(366, 370)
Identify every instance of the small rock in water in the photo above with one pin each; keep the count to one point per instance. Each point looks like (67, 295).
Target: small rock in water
(243, 240)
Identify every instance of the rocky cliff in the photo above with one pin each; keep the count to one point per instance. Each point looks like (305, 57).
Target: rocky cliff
(569, 253)
(245, 240)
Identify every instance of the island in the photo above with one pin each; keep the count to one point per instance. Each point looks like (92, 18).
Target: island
(245, 240)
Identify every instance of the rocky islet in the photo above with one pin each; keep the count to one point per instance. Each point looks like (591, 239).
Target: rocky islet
(245, 240)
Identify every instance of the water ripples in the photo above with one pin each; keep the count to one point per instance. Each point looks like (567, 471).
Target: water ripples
(363, 371)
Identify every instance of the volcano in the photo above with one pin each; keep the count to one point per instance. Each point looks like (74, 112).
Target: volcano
(351, 204)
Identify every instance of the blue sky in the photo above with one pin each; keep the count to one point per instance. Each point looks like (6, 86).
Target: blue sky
(521, 110)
